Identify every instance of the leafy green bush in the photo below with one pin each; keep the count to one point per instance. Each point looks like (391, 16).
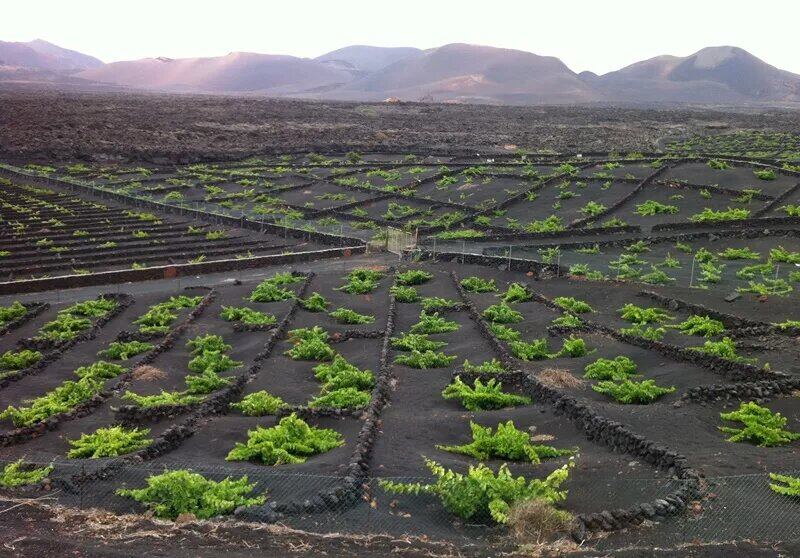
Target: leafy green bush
(516, 292)
(709, 215)
(478, 285)
(433, 323)
(361, 281)
(554, 223)
(123, 350)
(482, 494)
(460, 234)
(347, 316)
(416, 342)
(701, 325)
(493, 366)
(761, 426)
(434, 303)
(246, 316)
(12, 312)
(404, 294)
(259, 404)
(173, 493)
(482, 396)
(413, 277)
(267, 291)
(656, 277)
(13, 361)
(315, 303)
(723, 349)
(645, 332)
(593, 209)
(535, 350)
(790, 485)
(345, 398)
(716, 164)
(18, 473)
(109, 442)
(62, 399)
(64, 327)
(424, 360)
(311, 348)
(629, 392)
(573, 347)
(340, 374)
(506, 443)
(639, 315)
(618, 369)
(291, 441)
(567, 320)
(768, 287)
(163, 399)
(782, 255)
(502, 313)
(652, 207)
(711, 272)
(505, 333)
(765, 174)
(739, 254)
(91, 308)
(572, 305)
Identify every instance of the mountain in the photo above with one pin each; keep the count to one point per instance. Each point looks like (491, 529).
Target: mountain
(237, 72)
(722, 74)
(366, 59)
(41, 55)
(450, 73)
(462, 72)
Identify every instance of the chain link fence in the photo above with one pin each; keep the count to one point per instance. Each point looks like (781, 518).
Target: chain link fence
(733, 508)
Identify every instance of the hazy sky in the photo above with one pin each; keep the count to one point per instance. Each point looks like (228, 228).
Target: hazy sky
(587, 35)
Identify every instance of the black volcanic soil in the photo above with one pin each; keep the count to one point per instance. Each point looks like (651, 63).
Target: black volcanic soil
(51, 124)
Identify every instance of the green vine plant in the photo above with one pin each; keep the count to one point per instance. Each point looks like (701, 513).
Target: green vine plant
(12, 361)
(631, 392)
(351, 317)
(413, 277)
(361, 281)
(516, 292)
(700, 325)
(619, 369)
(315, 303)
(246, 316)
(310, 344)
(785, 484)
(259, 404)
(572, 304)
(18, 473)
(482, 396)
(109, 442)
(478, 285)
(638, 315)
(506, 442)
(726, 348)
(493, 366)
(416, 342)
(760, 426)
(483, 494)
(404, 294)
(178, 492)
(291, 441)
(124, 350)
(435, 303)
(424, 360)
(433, 323)
(502, 313)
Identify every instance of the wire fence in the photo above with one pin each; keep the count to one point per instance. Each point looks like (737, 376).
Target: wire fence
(733, 508)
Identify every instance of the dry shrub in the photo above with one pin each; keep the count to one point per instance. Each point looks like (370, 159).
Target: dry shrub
(148, 373)
(559, 378)
(534, 522)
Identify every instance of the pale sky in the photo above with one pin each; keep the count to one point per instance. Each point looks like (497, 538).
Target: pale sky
(587, 35)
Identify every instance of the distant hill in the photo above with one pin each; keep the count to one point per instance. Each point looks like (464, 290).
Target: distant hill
(41, 55)
(713, 74)
(237, 72)
(367, 59)
(450, 73)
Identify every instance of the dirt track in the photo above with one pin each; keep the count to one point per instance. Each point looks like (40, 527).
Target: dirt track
(157, 127)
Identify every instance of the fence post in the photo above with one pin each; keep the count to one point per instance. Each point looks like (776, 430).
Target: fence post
(691, 277)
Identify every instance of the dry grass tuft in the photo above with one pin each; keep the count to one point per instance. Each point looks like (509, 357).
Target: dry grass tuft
(559, 378)
(535, 522)
(148, 373)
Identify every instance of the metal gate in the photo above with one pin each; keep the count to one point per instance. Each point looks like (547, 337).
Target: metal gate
(398, 240)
